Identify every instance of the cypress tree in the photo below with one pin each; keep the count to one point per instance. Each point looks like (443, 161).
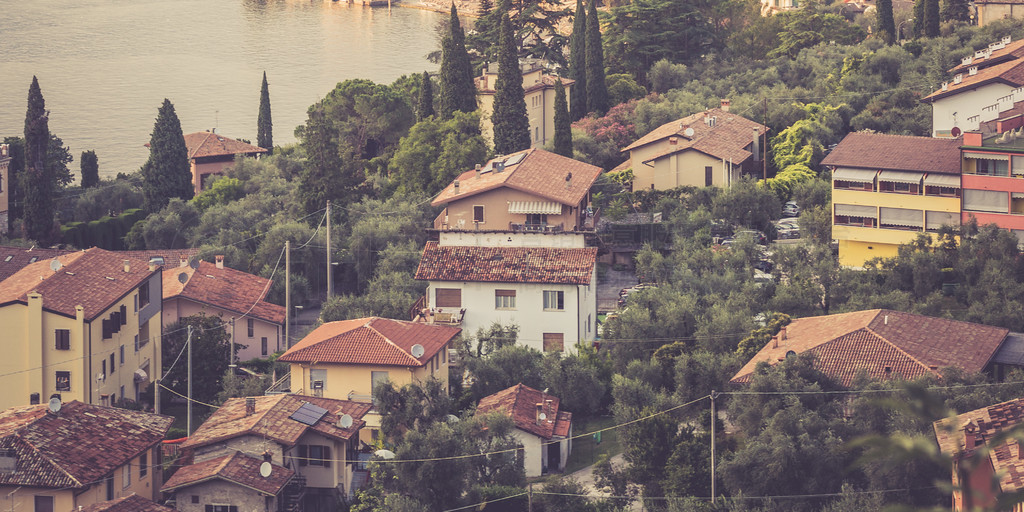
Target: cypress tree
(919, 18)
(264, 126)
(956, 10)
(597, 90)
(563, 126)
(37, 182)
(457, 89)
(931, 18)
(90, 169)
(886, 24)
(578, 62)
(167, 173)
(511, 124)
(426, 103)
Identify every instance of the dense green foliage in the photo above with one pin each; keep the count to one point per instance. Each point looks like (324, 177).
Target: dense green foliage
(37, 182)
(211, 351)
(166, 174)
(436, 151)
(578, 62)
(457, 90)
(511, 125)
(597, 90)
(264, 123)
(90, 169)
(425, 105)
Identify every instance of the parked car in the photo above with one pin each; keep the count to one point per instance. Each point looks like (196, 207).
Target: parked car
(789, 234)
(764, 266)
(626, 292)
(790, 209)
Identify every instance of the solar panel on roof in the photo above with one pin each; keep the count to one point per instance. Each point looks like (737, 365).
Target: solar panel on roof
(308, 414)
(515, 159)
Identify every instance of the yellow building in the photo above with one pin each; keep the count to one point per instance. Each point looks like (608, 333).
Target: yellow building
(710, 148)
(888, 188)
(538, 92)
(345, 359)
(84, 326)
(75, 455)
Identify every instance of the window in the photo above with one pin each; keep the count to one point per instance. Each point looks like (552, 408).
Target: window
(478, 213)
(850, 220)
(898, 187)
(986, 201)
(448, 298)
(900, 218)
(110, 487)
(136, 302)
(136, 342)
(62, 339)
(317, 381)
(44, 504)
(250, 324)
(143, 465)
(867, 186)
(987, 167)
(111, 363)
(536, 133)
(377, 378)
(504, 299)
(554, 341)
(941, 191)
(221, 508)
(315, 455)
(708, 176)
(126, 475)
(263, 345)
(124, 314)
(536, 219)
(935, 220)
(1016, 203)
(122, 355)
(144, 295)
(33, 399)
(63, 381)
(554, 301)
(195, 498)
(108, 331)
(103, 367)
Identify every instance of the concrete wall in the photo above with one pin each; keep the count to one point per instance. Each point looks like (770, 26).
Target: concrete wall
(540, 108)
(990, 12)
(220, 492)
(253, 446)
(983, 102)
(506, 239)
(206, 166)
(459, 213)
(678, 169)
(176, 308)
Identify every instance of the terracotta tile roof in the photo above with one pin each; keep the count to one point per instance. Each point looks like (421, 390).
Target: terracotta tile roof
(236, 468)
(1014, 50)
(378, 341)
(201, 144)
(1006, 458)
(540, 172)
(131, 503)
(886, 344)
(93, 278)
(728, 138)
(519, 402)
(896, 152)
(544, 265)
(77, 447)
(1010, 73)
(272, 420)
(171, 257)
(546, 82)
(13, 259)
(225, 288)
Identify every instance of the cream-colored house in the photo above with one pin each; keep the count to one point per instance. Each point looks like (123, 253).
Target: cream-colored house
(345, 359)
(209, 153)
(77, 456)
(236, 297)
(539, 93)
(709, 148)
(84, 325)
(544, 431)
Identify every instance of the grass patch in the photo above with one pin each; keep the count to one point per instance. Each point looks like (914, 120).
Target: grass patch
(585, 450)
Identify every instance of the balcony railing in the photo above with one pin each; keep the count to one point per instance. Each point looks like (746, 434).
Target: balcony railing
(446, 316)
(282, 385)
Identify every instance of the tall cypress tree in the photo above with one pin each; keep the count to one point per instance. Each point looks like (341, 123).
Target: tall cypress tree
(956, 10)
(167, 173)
(886, 23)
(457, 89)
(511, 124)
(597, 90)
(919, 18)
(37, 182)
(264, 126)
(563, 126)
(426, 99)
(931, 18)
(90, 169)
(578, 62)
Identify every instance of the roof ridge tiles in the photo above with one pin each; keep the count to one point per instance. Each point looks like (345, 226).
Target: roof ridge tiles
(899, 349)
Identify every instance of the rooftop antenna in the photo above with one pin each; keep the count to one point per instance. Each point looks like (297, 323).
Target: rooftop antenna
(54, 405)
(183, 278)
(55, 265)
(345, 421)
(418, 351)
(266, 469)
(194, 263)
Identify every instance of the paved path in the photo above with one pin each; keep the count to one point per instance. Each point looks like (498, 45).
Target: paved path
(585, 477)
(608, 289)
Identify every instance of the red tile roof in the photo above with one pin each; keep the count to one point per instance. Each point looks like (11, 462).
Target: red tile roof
(201, 144)
(519, 402)
(377, 341)
(131, 503)
(883, 343)
(272, 420)
(171, 257)
(77, 447)
(545, 265)
(224, 288)
(727, 139)
(13, 259)
(540, 172)
(1007, 459)
(1014, 50)
(1010, 73)
(236, 468)
(896, 152)
(94, 279)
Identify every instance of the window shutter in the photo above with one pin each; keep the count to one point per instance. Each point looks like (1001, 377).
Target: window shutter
(303, 455)
(209, 508)
(448, 297)
(124, 314)
(327, 456)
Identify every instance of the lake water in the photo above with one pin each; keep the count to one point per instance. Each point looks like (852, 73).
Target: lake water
(105, 66)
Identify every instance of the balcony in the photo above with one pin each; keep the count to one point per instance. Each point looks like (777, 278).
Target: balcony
(535, 228)
(443, 316)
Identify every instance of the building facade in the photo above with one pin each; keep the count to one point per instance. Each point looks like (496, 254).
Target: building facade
(210, 153)
(538, 92)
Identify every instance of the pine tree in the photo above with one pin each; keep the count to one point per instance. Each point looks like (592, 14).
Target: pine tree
(167, 173)
(886, 24)
(426, 103)
(90, 169)
(264, 126)
(597, 90)
(563, 126)
(931, 18)
(511, 124)
(457, 89)
(578, 62)
(36, 182)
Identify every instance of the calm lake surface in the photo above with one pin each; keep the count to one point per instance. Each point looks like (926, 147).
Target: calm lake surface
(105, 66)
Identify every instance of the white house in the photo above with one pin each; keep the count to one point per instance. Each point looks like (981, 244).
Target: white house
(544, 431)
(549, 293)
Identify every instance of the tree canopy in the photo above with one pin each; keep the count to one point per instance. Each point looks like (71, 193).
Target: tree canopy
(166, 174)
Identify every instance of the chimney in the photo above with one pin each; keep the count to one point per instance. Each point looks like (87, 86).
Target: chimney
(220, 260)
(725, 104)
(456, 185)
(775, 341)
(250, 406)
(756, 146)
(4, 150)
(183, 260)
(152, 265)
(971, 440)
(782, 333)
(886, 319)
(127, 266)
(540, 407)
(478, 166)
(568, 180)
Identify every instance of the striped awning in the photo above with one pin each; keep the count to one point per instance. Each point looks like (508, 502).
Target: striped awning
(857, 175)
(856, 210)
(541, 207)
(900, 176)
(942, 180)
(985, 156)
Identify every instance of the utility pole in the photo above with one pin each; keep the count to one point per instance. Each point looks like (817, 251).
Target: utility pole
(231, 355)
(529, 498)
(764, 145)
(329, 284)
(188, 427)
(714, 395)
(287, 294)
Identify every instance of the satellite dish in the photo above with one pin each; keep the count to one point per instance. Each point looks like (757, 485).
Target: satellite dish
(955, 132)
(55, 265)
(345, 421)
(385, 454)
(418, 351)
(194, 263)
(183, 278)
(688, 132)
(543, 416)
(266, 469)
(55, 405)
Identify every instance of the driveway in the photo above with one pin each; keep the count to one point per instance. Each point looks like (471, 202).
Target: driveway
(608, 288)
